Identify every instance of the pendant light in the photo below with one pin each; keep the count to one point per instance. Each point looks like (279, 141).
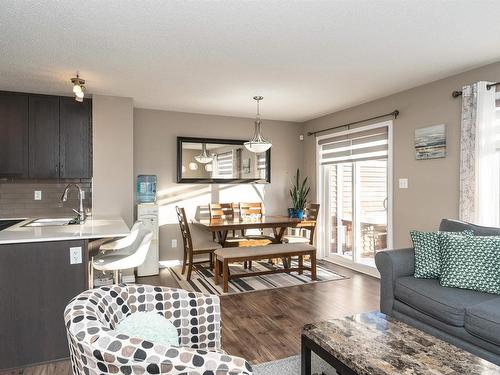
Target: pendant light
(258, 143)
(78, 88)
(203, 158)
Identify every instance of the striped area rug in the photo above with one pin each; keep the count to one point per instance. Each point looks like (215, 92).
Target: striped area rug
(202, 280)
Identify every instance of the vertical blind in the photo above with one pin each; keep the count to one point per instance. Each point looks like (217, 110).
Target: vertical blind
(355, 146)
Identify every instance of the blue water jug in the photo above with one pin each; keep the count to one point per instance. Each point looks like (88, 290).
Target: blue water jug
(146, 188)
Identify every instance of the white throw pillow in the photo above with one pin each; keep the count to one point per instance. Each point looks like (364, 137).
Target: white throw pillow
(151, 326)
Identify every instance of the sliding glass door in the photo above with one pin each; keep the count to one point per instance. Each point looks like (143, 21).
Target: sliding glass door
(355, 173)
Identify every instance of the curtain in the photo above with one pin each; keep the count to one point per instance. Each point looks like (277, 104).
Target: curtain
(479, 156)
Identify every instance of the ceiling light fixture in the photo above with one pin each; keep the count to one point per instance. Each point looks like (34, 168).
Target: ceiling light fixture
(78, 88)
(258, 143)
(203, 158)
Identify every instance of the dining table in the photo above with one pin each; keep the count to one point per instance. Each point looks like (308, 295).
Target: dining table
(278, 224)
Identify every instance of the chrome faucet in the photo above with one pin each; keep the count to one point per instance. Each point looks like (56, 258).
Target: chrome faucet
(81, 213)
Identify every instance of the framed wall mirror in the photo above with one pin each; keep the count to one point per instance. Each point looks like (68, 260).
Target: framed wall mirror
(220, 161)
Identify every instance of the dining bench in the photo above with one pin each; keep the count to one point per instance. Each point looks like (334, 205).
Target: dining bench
(225, 256)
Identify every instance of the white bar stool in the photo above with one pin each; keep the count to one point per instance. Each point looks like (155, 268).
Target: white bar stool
(127, 257)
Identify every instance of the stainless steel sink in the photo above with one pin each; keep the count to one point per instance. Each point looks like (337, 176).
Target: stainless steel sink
(51, 222)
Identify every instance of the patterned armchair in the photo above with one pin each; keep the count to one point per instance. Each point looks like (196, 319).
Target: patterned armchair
(95, 348)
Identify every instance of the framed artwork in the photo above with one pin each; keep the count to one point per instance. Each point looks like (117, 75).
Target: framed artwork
(430, 142)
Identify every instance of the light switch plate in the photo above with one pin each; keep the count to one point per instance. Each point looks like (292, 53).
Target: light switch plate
(403, 183)
(174, 243)
(38, 195)
(75, 255)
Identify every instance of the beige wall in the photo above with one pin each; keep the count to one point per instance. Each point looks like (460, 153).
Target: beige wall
(433, 184)
(113, 157)
(155, 135)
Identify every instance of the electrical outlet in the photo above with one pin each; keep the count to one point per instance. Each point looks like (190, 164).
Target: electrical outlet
(174, 243)
(38, 195)
(75, 255)
(403, 183)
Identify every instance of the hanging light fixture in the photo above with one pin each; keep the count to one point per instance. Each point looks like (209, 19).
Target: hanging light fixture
(203, 158)
(78, 88)
(258, 143)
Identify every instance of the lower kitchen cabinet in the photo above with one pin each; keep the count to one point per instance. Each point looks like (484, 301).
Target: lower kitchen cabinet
(36, 283)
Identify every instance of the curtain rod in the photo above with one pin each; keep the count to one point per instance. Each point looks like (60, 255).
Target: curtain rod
(394, 114)
(457, 93)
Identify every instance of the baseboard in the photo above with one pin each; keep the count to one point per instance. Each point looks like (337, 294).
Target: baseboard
(367, 270)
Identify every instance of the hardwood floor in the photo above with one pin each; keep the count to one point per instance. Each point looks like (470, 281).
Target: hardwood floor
(264, 326)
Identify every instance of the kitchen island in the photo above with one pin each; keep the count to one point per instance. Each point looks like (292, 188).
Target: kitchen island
(41, 269)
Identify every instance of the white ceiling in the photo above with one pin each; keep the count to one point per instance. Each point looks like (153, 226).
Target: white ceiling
(306, 58)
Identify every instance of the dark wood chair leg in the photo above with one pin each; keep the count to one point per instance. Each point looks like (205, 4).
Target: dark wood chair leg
(190, 267)
(245, 264)
(184, 260)
(211, 260)
(225, 276)
(301, 264)
(313, 266)
(250, 265)
(217, 271)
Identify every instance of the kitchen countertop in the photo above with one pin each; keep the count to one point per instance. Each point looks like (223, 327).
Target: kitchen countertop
(92, 228)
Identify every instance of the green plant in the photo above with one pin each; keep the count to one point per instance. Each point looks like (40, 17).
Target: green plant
(299, 192)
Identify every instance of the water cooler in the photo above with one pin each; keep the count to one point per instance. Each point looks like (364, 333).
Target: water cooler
(148, 214)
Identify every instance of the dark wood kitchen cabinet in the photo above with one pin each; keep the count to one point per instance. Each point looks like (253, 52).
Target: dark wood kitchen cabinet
(37, 280)
(43, 136)
(14, 135)
(76, 138)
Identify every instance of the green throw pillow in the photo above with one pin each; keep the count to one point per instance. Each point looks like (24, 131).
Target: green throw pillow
(471, 262)
(427, 247)
(427, 254)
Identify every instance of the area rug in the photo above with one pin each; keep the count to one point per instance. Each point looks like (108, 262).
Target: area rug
(291, 366)
(202, 280)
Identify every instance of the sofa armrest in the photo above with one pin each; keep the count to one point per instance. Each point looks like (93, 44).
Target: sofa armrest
(393, 264)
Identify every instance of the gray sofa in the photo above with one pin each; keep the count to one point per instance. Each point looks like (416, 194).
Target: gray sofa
(465, 318)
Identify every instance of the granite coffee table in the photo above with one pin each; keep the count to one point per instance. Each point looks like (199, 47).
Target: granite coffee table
(375, 344)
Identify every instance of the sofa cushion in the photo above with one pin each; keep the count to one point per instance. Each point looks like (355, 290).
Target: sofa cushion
(471, 262)
(483, 320)
(445, 304)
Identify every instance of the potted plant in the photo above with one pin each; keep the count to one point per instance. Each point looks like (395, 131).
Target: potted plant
(298, 192)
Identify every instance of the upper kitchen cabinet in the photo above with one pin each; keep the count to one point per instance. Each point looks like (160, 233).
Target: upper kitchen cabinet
(75, 124)
(43, 136)
(14, 134)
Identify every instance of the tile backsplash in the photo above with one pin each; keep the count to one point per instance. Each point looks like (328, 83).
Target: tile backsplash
(17, 197)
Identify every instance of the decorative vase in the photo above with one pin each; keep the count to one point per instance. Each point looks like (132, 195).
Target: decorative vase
(299, 214)
(291, 212)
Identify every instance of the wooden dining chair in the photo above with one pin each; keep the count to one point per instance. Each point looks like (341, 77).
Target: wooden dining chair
(247, 209)
(225, 211)
(305, 232)
(222, 211)
(194, 245)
